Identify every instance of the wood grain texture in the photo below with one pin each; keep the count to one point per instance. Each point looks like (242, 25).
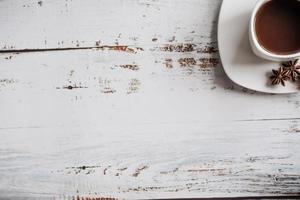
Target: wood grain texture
(71, 23)
(144, 110)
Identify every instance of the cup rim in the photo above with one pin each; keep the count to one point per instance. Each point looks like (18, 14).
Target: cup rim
(258, 46)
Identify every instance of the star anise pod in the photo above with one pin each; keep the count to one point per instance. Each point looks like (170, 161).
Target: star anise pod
(279, 76)
(293, 69)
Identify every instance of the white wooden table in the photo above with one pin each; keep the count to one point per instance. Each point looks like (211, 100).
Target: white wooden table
(128, 99)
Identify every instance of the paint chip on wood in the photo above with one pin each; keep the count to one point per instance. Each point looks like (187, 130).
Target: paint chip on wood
(168, 63)
(134, 86)
(178, 48)
(133, 67)
(139, 170)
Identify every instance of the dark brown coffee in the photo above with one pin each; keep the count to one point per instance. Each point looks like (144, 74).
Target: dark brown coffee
(277, 26)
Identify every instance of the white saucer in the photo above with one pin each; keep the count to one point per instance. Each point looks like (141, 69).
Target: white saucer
(239, 62)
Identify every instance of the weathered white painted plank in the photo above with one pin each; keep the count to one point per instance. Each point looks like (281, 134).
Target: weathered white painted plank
(166, 160)
(29, 24)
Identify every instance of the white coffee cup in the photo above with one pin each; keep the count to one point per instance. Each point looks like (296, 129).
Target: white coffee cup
(255, 45)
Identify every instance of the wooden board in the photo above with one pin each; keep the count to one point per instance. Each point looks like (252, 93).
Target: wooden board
(29, 24)
(131, 116)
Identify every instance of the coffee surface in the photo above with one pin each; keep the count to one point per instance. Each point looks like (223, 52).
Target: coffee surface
(277, 26)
